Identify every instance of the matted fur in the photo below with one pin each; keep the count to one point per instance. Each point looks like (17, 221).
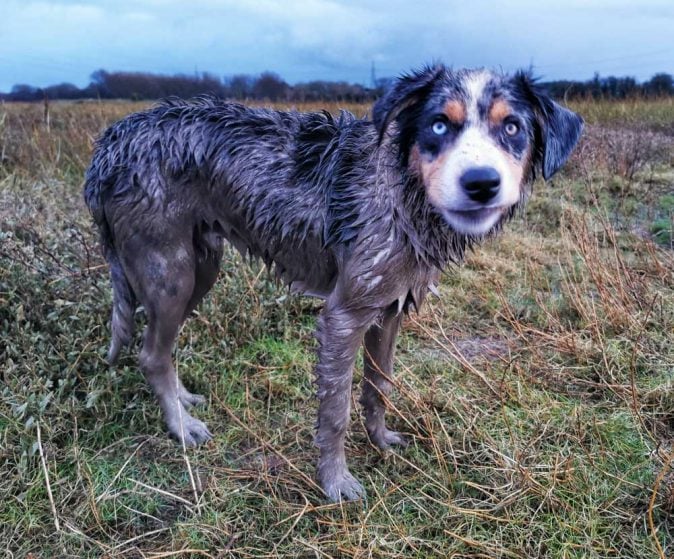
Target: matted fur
(334, 205)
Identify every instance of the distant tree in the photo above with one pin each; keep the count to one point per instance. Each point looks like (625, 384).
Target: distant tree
(310, 91)
(98, 84)
(270, 86)
(140, 85)
(627, 87)
(239, 86)
(660, 85)
(24, 92)
(329, 91)
(611, 87)
(595, 86)
(63, 91)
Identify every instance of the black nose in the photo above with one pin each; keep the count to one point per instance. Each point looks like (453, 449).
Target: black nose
(481, 183)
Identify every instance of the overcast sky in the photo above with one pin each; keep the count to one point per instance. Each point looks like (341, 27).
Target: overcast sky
(51, 41)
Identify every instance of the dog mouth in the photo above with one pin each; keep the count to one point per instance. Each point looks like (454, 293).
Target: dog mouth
(473, 221)
(479, 214)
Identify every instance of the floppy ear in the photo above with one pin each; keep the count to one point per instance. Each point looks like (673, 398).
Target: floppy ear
(406, 91)
(560, 128)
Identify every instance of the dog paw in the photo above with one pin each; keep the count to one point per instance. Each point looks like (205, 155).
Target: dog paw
(193, 430)
(384, 439)
(342, 486)
(188, 399)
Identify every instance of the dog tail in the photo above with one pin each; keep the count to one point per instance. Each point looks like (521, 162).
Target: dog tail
(124, 300)
(123, 307)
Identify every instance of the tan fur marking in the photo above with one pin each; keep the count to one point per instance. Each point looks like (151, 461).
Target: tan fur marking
(518, 168)
(499, 110)
(431, 170)
(455, 112)
(414, 161)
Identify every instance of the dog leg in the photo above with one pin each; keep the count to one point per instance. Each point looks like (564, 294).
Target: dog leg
(206, 273)
(155, 360)
(167, 289)
(339, 334)
(379, 348)
(205, 276)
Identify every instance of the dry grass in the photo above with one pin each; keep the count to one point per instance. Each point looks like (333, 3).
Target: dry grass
(538, 389)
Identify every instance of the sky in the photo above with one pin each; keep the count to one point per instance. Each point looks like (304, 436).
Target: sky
(44, 42)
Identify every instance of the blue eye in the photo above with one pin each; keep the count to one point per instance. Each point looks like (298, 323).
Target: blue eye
(511, 128)
(439, 128)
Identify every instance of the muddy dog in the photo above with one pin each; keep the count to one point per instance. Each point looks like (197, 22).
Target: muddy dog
(362, 213)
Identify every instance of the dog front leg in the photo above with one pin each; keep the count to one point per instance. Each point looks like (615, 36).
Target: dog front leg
(339, 335)
(379, 346)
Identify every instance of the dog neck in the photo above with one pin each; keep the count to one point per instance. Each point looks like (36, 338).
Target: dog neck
(433, 241)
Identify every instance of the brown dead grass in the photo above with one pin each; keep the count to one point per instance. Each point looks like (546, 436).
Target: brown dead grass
(537, 390)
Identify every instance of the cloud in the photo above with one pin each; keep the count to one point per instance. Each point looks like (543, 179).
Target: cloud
(46, 42)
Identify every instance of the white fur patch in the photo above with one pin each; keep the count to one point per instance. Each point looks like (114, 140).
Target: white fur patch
(474, 86)
(475, 148)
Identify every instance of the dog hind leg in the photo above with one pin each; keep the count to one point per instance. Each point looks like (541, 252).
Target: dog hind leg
(379, 347)
(167, 288)
(206, 274)
(209, 250)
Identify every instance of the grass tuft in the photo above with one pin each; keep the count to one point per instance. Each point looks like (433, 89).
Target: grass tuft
(537, 390)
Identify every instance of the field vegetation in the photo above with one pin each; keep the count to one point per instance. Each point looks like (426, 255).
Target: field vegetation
(537, 389)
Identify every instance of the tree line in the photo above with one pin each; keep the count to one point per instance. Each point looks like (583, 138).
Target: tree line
(146, 86)
(612, 87)
(269, 86)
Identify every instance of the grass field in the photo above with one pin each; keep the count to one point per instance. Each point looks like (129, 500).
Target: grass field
(538, 389)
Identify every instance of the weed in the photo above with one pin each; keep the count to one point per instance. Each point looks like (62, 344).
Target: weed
(537, 389)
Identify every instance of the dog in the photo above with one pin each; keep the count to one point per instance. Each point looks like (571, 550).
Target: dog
(361, 213)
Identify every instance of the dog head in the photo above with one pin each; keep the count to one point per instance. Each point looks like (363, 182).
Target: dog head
(475, 139)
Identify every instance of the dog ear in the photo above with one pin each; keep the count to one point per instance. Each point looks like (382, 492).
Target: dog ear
(406, 91)
(560, 128)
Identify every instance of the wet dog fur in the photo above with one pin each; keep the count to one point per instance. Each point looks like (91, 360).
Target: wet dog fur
(362, 213)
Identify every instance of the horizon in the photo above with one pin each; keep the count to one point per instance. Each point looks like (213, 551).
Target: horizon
(223, 79)
(64, 41)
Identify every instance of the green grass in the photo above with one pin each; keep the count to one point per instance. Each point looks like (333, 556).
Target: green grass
(538, 390)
